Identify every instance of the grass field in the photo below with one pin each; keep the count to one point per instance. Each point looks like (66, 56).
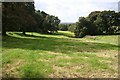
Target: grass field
(59, 56)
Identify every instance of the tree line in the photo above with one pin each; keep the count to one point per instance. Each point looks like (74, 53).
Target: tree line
(96, 23)
(67, 27)
(23, 17)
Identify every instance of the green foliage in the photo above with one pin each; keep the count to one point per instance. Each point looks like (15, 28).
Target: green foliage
(63, 27)
(52, 23)
(97, 23)
(67, 27)
(23, 17)
(93, 16)
(104, 21)
(84, 27)
(18, 16)
(72, 27)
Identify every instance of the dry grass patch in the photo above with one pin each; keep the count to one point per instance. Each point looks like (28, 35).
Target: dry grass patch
(11, 70)
(66, 71)
(107, 54)
(54, 53)
(99, 74)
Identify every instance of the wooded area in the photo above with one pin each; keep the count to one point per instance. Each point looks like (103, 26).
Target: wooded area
(97, 23)
(23, 17)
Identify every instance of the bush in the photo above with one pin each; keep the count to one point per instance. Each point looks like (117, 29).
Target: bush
(81, 28)
(63, 27)
(72, 27)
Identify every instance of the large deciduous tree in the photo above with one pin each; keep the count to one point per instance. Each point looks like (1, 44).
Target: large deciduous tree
(105, 21)
(17, 16)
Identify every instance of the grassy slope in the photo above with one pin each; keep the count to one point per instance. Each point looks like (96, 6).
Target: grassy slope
(59, 55)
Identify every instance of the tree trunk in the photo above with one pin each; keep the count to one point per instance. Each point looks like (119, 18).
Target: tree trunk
(24, 33)
(3, 30)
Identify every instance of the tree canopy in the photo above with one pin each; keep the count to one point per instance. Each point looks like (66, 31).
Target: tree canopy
(97, 23)
(23, 17)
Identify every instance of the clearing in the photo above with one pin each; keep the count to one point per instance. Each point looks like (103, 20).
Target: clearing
(59, 56)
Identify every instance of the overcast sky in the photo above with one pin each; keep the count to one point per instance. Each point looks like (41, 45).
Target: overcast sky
(71, 10)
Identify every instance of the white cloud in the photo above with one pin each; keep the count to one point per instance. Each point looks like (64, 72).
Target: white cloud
(71, 10)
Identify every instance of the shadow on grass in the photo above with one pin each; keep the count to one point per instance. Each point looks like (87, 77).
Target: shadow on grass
(54, 44)
(28, 35)
(62, 45)
(32, 35)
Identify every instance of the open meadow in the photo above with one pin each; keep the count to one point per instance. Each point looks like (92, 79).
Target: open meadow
(59, 55)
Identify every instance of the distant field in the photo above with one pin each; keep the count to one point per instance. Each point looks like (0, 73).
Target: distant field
(59, 55)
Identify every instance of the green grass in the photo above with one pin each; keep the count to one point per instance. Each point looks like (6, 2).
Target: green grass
(59, 55)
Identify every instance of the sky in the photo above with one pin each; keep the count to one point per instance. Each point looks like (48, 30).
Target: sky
(71, 10)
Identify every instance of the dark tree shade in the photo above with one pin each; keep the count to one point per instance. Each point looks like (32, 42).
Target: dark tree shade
(23, 17)
(18, 16)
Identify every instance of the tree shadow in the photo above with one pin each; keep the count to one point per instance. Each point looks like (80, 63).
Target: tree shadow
(60, 45)
(54, 44)
(63, 34)
(28, 35)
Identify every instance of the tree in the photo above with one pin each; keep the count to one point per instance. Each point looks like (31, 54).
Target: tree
(80, 30)
(18, 16)
(84, 27)
(104, 21)
(54, 24)
(39, 19)
(93, 16)
(50, 23)
(72, 27)
(6, 13)
(63, 27)
(28, 17)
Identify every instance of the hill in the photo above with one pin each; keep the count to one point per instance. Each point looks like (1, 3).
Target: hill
(59, 56)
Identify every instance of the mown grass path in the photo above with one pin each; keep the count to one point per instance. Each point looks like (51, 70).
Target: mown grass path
(59, 55)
